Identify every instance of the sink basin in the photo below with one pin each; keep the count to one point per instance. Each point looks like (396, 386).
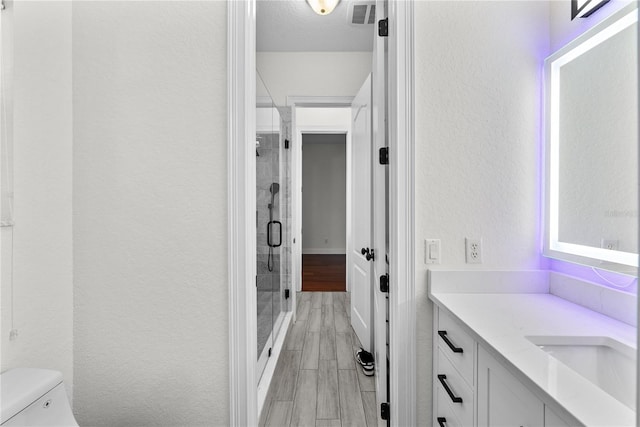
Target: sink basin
(609, 364)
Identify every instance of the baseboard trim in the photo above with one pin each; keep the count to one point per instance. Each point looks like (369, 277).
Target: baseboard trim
(324, 251)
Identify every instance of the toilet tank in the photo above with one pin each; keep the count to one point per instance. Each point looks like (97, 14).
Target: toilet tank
(34, 397)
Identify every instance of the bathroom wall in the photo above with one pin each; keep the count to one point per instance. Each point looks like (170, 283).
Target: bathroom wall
(324, 183)
(36, 257)
(313, 73)
(150, 213)
(478, 113)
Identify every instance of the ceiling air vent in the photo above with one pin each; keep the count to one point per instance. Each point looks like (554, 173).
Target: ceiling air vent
(361, 12)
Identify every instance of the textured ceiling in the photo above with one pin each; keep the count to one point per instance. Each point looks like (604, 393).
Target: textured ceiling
(292, 26)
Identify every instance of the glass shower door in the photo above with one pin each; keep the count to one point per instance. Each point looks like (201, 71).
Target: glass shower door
(269, 223)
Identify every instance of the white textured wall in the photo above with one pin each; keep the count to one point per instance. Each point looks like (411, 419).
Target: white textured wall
(318, 118)
(150, 226)
(478, 114)
(42, 236)
(313, 73)
(324, 195)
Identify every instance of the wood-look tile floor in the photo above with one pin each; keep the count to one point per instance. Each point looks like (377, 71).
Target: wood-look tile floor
(317, 381)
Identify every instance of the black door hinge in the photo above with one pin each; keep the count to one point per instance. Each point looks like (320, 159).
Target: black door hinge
(286, 144)
(286, 294)
(384, 411)
(383, 27)
(383, 155)
(269, 354)
(384, 283)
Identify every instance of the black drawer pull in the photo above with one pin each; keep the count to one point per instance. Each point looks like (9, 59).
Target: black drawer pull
(442, 421)
(443, 335)
(453, 397)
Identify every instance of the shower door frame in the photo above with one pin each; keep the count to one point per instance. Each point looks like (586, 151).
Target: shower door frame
(241, 96)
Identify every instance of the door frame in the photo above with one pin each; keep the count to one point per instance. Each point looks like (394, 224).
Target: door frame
(297, 195)
(241, 98)
(312, 102)
(402, 307)
(241, 205)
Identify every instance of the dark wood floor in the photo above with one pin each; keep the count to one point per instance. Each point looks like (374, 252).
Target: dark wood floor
(323, 273)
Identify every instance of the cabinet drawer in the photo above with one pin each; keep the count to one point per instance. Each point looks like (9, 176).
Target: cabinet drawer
(457, 345)
(447, 377)
(444, 410)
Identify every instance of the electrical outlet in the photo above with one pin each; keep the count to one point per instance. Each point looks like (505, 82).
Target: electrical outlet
(610, 244)
(473, 251)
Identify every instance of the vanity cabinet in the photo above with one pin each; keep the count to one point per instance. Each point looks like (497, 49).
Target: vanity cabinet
(502, 399)
(454, 373)
(472, 388)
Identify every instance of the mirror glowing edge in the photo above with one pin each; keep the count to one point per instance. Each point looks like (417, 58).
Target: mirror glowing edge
(555, 246)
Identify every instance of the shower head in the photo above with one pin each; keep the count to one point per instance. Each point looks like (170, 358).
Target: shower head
(275, 187)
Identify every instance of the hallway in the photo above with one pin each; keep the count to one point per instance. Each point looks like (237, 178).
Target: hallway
(317, 381)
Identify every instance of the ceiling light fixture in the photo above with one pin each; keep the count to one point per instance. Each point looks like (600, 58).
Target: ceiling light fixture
(323, 7)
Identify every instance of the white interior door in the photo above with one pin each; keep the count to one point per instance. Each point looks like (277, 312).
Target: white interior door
(379, 211)
(361, 268)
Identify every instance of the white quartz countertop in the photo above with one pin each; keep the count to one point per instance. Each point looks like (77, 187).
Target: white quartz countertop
(500, 322)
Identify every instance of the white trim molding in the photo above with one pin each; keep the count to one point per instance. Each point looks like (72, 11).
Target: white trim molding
(402, 307)
(324, 251)
(320, 101)
(241, 198)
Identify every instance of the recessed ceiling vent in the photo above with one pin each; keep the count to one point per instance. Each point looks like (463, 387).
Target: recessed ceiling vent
(361, 12)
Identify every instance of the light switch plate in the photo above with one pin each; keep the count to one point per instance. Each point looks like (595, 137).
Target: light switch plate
(432, 251)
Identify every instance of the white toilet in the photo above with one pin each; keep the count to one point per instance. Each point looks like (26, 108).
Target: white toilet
(34, 397)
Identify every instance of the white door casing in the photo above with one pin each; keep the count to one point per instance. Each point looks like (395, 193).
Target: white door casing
(241, 161)
(379, 211)
(242, 246)
(330, 123)
(400, 124)
(361, 268)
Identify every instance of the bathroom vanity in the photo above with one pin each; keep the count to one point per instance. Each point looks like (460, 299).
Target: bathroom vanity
(508, 351)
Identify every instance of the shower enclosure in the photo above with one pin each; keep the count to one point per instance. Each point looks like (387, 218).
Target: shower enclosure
(273, 244)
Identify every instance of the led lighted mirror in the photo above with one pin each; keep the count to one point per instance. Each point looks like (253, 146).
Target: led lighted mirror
(592, 146)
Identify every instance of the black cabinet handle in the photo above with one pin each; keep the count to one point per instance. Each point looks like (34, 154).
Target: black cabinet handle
(443, 335)
(453, 397)
(442, 421)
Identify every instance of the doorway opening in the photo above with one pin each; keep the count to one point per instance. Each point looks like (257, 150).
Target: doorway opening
(242, 125)
(324, 212)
